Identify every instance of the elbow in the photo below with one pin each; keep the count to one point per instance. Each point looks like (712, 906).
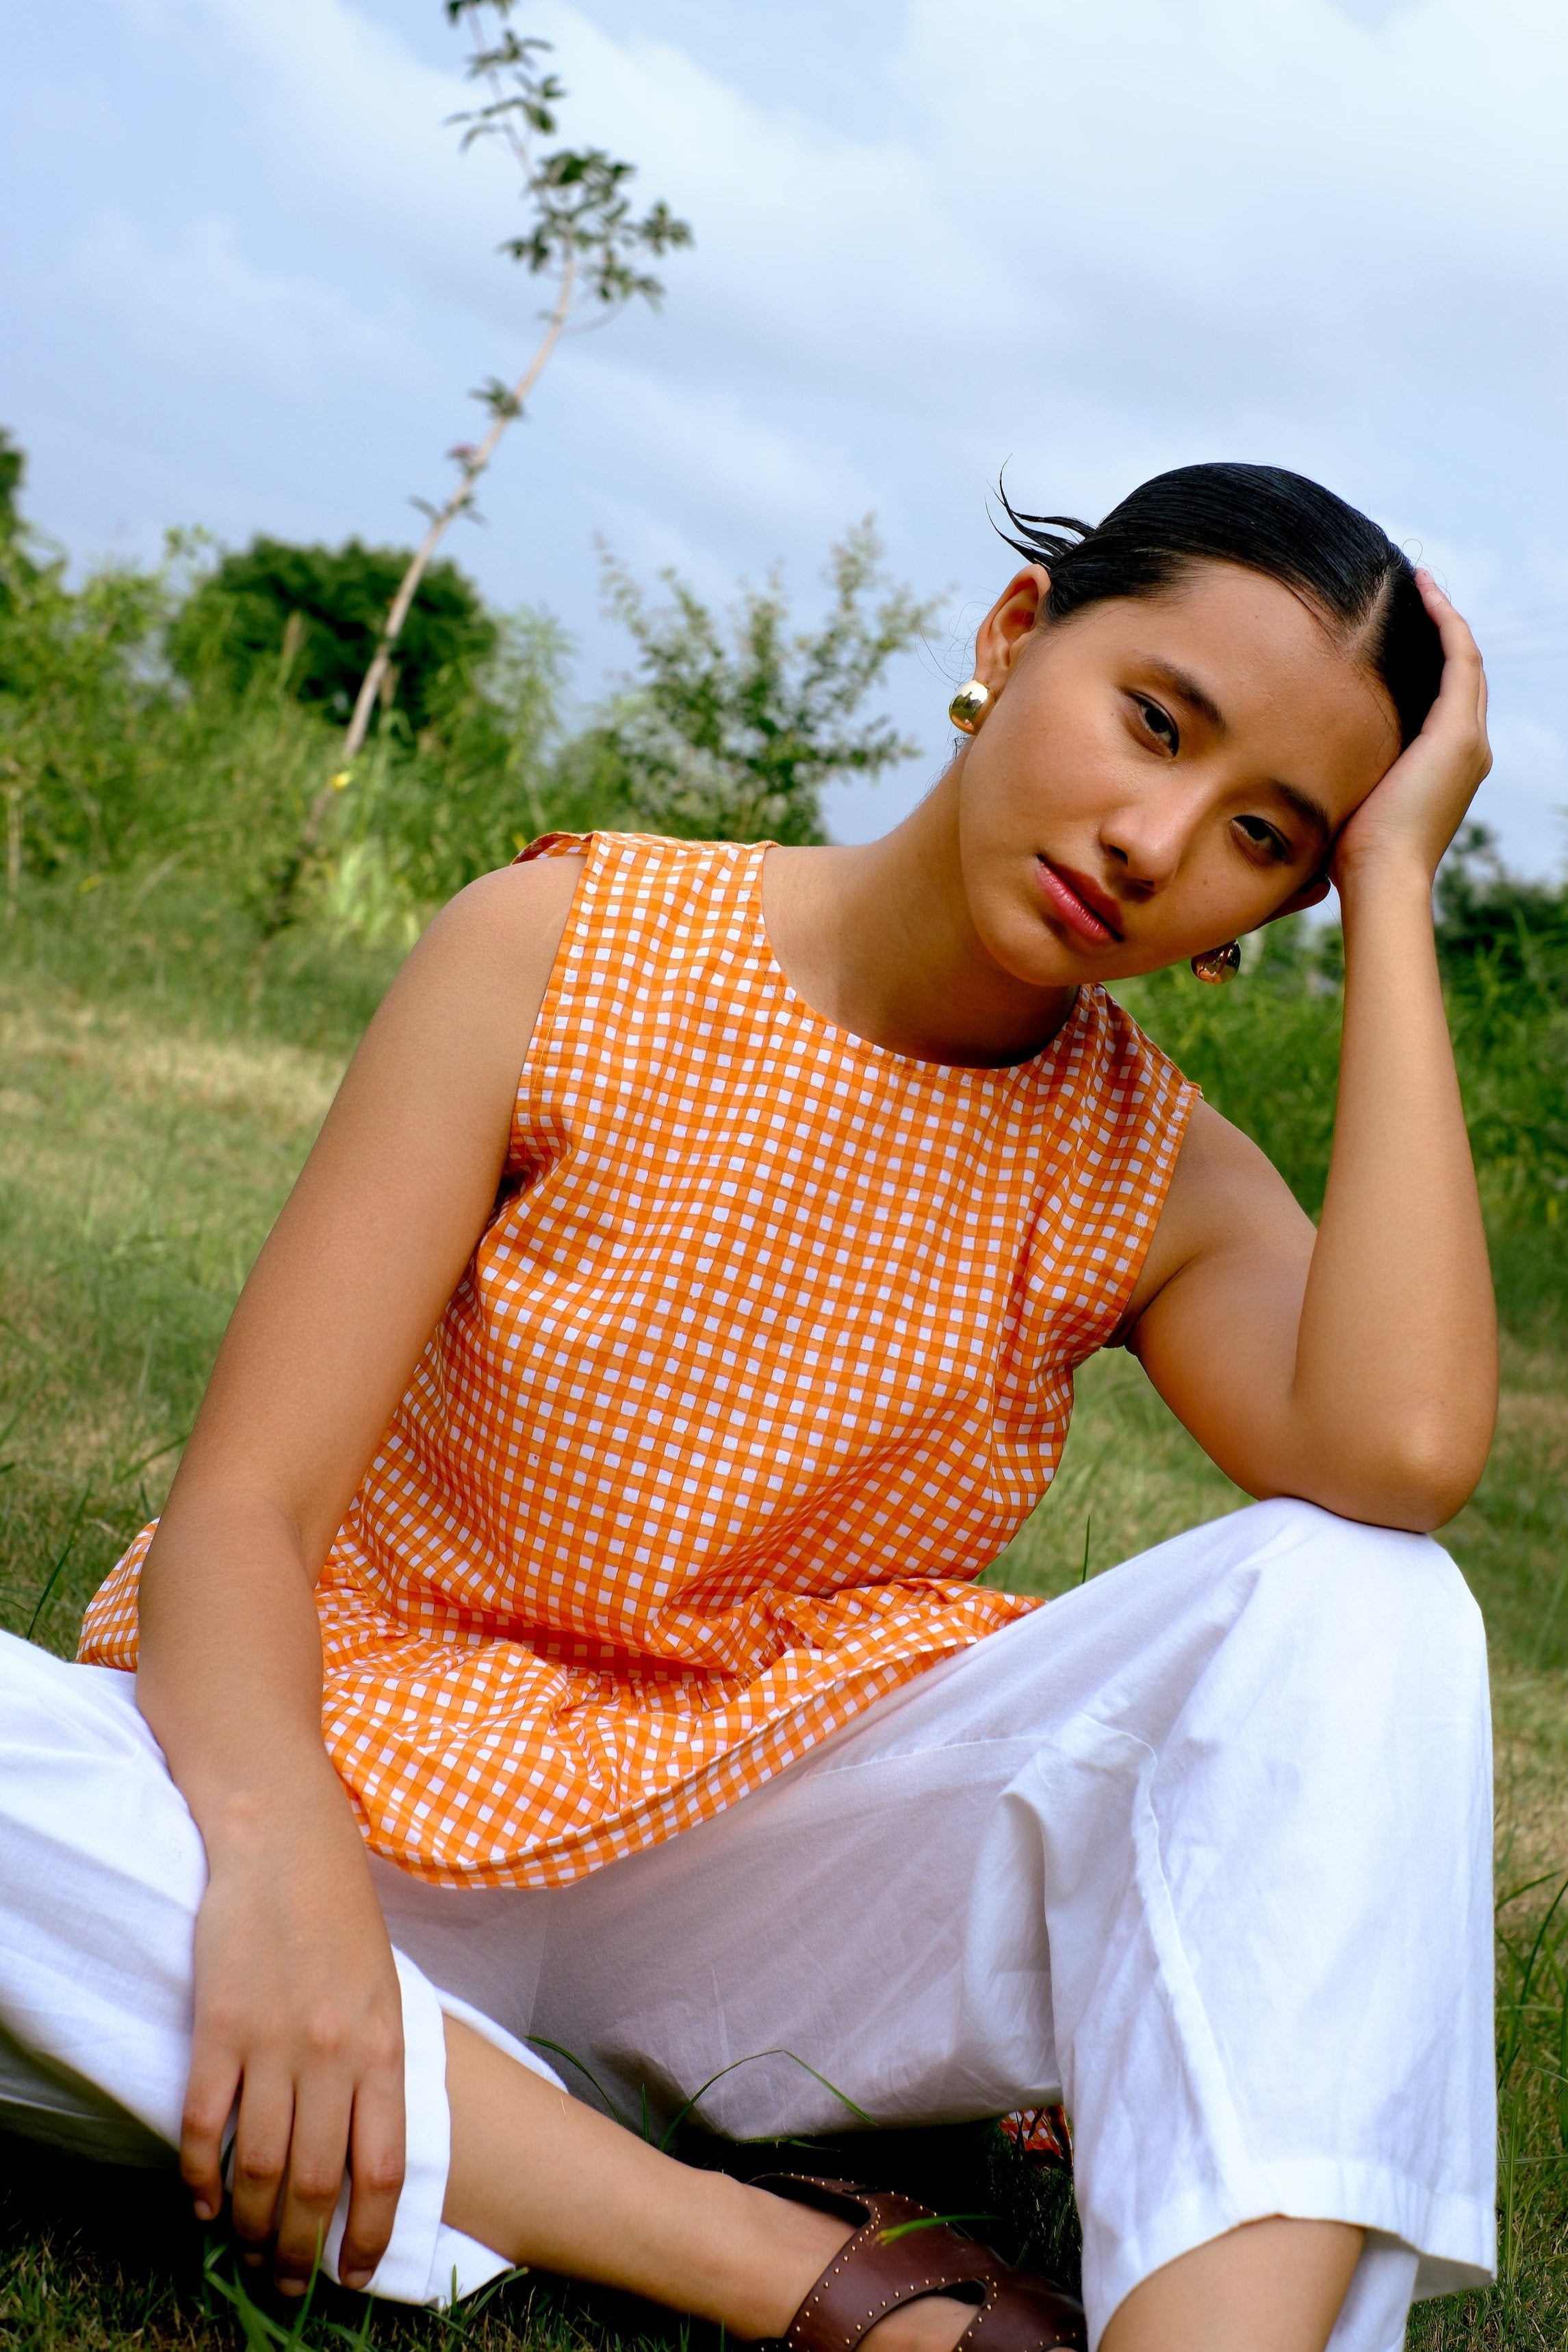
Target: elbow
(1427, 1472)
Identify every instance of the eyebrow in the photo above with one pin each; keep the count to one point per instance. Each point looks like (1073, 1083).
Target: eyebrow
(1310, 811)
(1182, 683)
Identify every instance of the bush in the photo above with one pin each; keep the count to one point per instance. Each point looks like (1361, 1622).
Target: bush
(1266, 1053)
(306, 620)
(735, 741)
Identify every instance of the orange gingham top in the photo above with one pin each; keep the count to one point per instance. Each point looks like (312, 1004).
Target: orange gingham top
(766, 1353)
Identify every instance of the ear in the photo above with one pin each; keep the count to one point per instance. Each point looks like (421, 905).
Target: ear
(1311, 894)
(1007, 626)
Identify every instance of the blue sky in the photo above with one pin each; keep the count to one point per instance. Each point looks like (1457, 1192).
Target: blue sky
(246, 278)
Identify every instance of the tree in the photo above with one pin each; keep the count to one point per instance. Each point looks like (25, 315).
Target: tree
(583, 233)
(80, 691)
(1496, 930)
(734, 740)
(309, 618)
(13, 468)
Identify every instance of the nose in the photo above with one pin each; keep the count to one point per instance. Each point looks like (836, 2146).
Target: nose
(1147, 836)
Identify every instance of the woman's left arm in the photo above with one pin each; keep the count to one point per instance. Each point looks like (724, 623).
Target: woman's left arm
(1356, 1368)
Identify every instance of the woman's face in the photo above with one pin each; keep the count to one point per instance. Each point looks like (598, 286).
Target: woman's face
(1158, 775)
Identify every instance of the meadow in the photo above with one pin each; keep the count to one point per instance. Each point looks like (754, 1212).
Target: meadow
(179, 992)
(165, 1063)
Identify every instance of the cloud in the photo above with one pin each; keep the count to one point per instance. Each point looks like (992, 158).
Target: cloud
(197, 297)
(1090, 241)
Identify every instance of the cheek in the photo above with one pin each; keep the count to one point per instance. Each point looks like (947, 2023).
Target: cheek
(1041, 761)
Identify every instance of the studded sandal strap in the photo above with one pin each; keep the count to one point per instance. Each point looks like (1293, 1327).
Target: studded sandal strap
(888, 2264)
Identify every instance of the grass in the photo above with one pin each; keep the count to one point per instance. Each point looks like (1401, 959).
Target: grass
(161, 1077)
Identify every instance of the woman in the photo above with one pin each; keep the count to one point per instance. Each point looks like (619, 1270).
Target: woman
(663, 1721)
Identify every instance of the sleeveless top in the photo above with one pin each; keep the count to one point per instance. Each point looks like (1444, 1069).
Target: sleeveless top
(766, 1352)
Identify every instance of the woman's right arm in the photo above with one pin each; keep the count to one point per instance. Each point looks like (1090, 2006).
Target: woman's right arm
(298, 2015)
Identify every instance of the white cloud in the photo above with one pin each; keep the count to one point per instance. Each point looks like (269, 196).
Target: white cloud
(195, 297)
(1094, 241)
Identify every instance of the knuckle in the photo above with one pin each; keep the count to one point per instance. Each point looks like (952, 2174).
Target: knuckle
(383, 2043)
(315, 2184)
(367, 2242)
(324, 2036)
(222, 2022)
(257, 2170)
(382, 2176)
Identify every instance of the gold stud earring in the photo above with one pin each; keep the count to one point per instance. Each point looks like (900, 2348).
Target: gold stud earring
(1217, 965)
(968, 707)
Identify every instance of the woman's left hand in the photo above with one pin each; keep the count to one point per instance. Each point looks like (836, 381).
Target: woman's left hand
(1415, 810)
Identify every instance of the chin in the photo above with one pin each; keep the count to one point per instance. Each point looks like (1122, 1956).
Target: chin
(1039, 960)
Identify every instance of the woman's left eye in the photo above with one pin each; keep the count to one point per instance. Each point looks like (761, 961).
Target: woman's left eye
(1160, 723)
(1267, 837)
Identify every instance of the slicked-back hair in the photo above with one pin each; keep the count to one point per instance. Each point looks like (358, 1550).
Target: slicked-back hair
(1269, 521)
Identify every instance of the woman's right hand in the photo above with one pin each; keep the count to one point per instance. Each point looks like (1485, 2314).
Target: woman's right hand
(298, 2017)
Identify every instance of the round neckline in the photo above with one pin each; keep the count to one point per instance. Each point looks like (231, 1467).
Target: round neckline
(851, 1038)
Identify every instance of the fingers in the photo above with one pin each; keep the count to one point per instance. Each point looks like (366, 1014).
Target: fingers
(376, 2167)
(1463, 690)
(292, 2143)
(209, 2101)
(344, 2117)
(261, 2159)
(1462, 665)
(317, 2155)
(300, 2019)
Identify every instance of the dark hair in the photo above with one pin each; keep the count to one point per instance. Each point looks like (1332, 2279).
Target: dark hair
(1281, 524)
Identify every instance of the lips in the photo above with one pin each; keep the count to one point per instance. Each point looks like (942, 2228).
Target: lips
(1076, 903)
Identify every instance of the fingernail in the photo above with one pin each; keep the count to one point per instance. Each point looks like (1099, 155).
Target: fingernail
(357, 2280)
(291, 2286)
(205, 2212)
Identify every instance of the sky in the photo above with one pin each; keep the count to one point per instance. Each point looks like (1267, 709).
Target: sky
(246, 278)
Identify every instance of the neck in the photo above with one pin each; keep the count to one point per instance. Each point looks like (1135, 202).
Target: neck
(879, 940)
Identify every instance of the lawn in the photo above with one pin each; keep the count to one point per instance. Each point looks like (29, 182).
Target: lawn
(157, 1091)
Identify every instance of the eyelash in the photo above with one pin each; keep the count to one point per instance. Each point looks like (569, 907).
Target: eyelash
(1267, 837)
(1155, 719)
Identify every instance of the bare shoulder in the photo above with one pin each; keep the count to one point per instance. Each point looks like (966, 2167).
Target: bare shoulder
(453, 1031)
(1225, 1197)
(483, 963)
(512, 920)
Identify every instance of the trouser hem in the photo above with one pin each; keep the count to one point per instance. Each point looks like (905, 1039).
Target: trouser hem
(1449, 2242)
(426, 2261)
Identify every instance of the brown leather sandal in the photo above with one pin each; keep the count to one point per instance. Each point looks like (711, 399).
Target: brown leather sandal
(888, 2261)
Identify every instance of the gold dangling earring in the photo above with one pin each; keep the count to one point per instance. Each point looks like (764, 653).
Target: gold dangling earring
(1217, 965)
(968, 707)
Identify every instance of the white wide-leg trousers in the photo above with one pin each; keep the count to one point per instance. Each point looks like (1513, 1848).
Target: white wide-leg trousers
(1203, 1848)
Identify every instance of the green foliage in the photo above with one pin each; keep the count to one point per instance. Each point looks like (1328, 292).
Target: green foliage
(1266, 1049)
(183, 718)
(307, 620)
(418, 823)
(1495, 931)
(13, 469)
(734, 740)
(582, 214)
(80, 702)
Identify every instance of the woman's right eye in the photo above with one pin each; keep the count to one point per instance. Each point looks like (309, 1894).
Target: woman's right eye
(1159, 723)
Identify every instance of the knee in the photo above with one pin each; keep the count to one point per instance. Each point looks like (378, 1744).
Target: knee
(1378, 1594)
